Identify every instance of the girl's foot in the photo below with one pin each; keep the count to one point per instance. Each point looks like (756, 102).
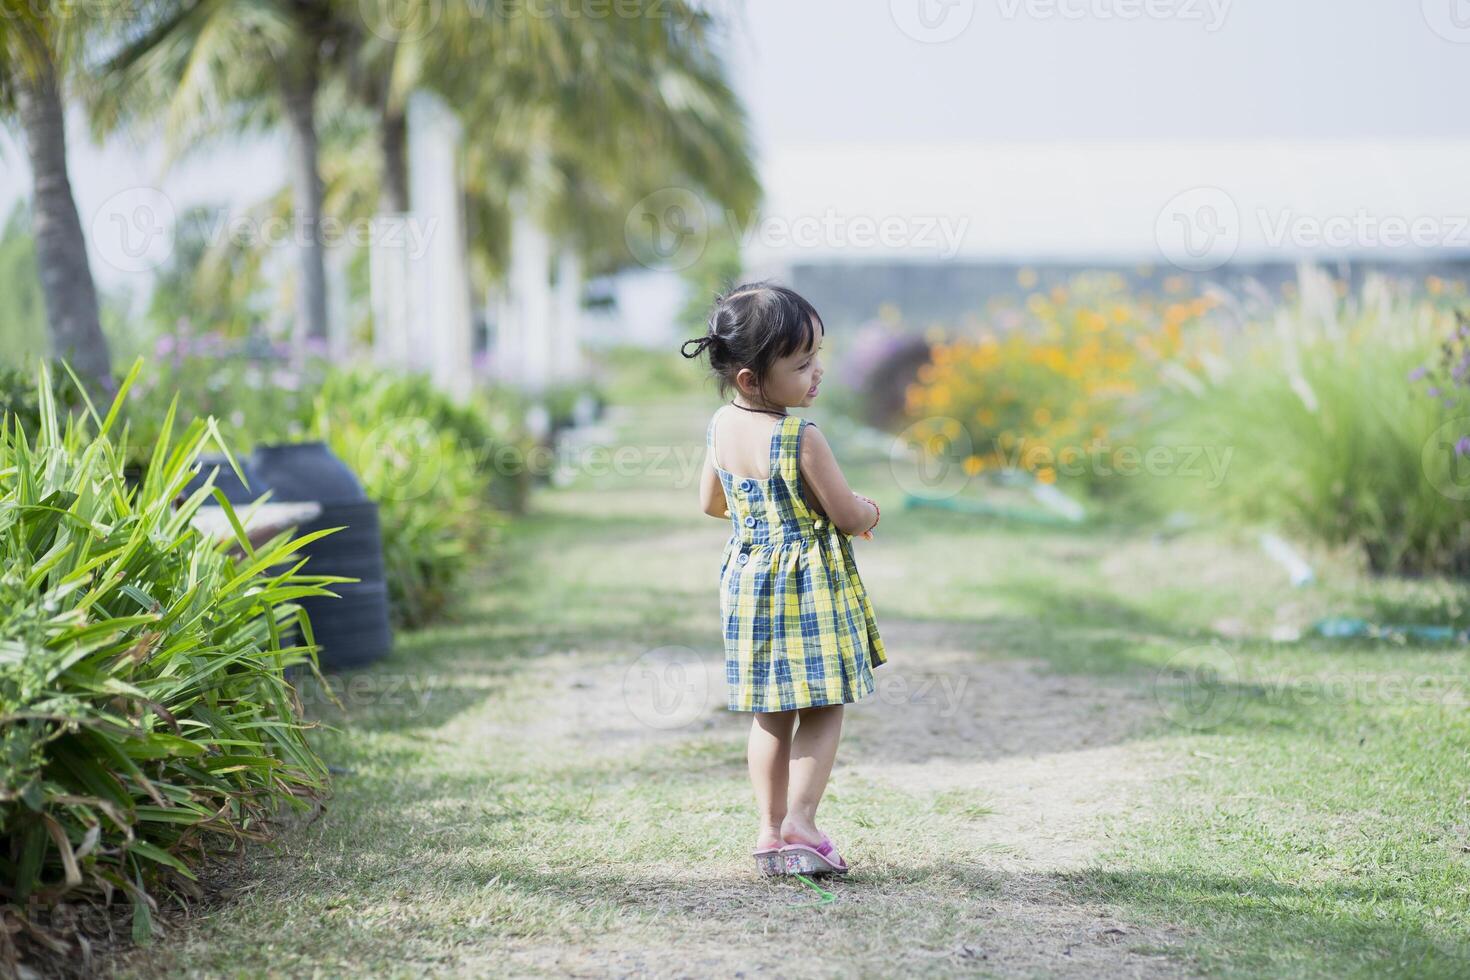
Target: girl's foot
(800, 832)
(769, 837)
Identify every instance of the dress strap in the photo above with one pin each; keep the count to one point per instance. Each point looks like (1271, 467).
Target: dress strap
(785, 450)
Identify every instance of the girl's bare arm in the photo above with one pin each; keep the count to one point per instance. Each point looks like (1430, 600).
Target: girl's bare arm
(822, 476)
(711, 491)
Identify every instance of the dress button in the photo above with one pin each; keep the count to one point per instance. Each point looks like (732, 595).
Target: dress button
(750, 522)
(742, 558)
(746, 485)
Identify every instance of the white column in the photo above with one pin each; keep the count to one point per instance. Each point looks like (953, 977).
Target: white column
(567, 337)
(339, 306)
(388, 289)
(440, 336)
(531, 300)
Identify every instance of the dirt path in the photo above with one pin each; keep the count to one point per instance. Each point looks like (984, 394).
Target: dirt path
(1052, 759)
(566, 795)
(1022, 769)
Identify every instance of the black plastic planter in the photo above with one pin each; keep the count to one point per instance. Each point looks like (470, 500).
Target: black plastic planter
(352, 628)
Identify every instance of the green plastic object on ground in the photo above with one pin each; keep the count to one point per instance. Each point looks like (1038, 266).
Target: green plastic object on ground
(1337, 627)
(826, 897)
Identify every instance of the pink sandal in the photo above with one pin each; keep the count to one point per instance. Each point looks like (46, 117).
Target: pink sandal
(809, 860)
(770, 861)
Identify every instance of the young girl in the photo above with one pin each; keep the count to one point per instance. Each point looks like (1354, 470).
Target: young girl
(800, 637)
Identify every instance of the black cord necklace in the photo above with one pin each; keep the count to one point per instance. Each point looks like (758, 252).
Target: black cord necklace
(766, 410)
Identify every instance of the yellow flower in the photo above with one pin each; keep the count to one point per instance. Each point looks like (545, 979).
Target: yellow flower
(1026, 278)
(1046, 475)
(973, 465)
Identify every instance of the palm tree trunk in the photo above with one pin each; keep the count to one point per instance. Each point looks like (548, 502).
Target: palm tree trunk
(298, 90)
(61, 250)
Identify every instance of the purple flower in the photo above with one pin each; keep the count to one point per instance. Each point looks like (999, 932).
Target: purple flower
(1462, 447)
(163, 345)
(1416, 374)
(1434, 392)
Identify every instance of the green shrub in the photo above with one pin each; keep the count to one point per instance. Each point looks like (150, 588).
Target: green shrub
(434, 465)
(1329, 437)
(417, 453)
(145, 716)
(488, 426)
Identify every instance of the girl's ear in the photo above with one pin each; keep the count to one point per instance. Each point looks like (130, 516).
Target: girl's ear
(745, 381)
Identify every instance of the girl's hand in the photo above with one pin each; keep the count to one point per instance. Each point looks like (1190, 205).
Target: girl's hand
(868, 534)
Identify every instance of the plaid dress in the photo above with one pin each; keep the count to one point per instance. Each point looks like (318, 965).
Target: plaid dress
(799, 629)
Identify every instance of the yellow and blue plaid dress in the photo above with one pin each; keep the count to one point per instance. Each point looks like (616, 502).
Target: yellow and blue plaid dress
(799, 628)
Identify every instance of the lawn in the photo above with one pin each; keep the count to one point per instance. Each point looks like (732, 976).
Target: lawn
(1044, 783)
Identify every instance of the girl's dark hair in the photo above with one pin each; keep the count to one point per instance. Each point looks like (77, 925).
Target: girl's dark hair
(751, 326)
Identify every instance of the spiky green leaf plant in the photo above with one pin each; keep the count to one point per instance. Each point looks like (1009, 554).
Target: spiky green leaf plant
(146, 715)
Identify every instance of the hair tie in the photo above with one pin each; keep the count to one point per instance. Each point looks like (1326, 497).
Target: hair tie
(700, 342)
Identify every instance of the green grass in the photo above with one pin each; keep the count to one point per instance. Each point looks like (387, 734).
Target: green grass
(1315, 824)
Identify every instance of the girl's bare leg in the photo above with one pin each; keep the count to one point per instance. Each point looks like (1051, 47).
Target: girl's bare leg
(813, 751)
(769, 755)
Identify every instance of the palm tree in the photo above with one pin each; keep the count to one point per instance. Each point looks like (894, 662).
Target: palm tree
(617, 106)
(217, 67)
(630, 105)
(35, 48)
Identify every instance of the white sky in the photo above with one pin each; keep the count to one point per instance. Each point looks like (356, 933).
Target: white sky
(1103, 109)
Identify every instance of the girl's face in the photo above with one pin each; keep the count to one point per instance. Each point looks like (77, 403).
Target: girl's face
(793, 379)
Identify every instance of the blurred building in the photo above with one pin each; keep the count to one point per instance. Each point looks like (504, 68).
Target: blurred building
(938, 230)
